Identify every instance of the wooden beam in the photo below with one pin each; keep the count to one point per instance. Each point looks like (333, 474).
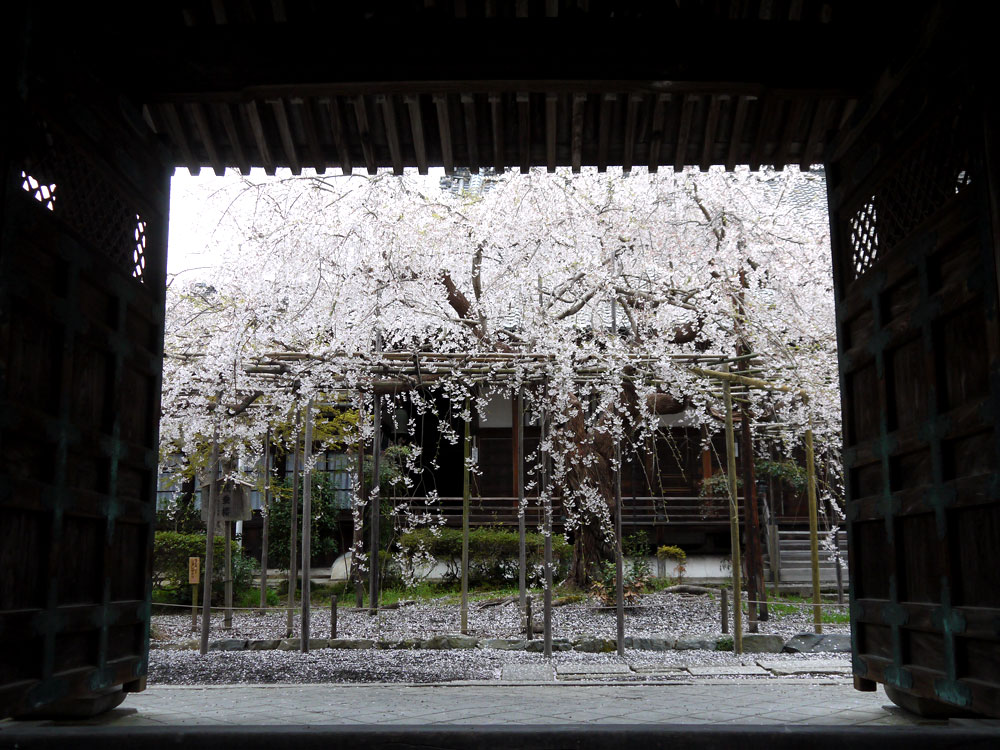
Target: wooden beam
(656, 133)
(259, 136)
(444, 128)
(471, 131)
(604, 131)
(551, 114)
(205, 133)
(711, 130)
(576, 131)
(337, 131)
(736, 133)
(176, 130)
(417, 131)
(391, 132)
(631, 113)
(285, 133)
(684, 131)
(496, 115)
(308, 116)
(524, 130)
(364, 133)
(233, 134)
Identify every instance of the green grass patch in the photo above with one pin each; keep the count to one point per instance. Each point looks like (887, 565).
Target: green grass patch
(788, 604)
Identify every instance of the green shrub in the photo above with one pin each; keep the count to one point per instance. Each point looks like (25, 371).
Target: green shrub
(604, 577)
(636, 544)
(171, 551)
(323, 529)
(493, 553)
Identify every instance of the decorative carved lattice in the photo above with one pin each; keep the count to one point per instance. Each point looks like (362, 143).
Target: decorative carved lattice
(44, 194)
(89, 205)
(918, 186)
(864, 238)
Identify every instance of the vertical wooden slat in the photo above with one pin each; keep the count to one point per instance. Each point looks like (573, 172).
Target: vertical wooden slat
(285, 133)
(444, 128)
(260, 137)
(207, 140)
(233, 135)
(417, 131)
(524, 130)
(765, 123)
(604, 131)
(656, 131)
(551, 111)
(628, 147)
(736, 134)
(364, 133)
(179, 137)
(471, 131)
(820, 122)
(496, 116)
(391, 132)
(711, 130)
(308, 116)
(793, 127)
(684, 131)
(576, 131)
(337, 131)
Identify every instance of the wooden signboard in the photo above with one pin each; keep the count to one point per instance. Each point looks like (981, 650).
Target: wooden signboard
(194, 570)
(233, 503)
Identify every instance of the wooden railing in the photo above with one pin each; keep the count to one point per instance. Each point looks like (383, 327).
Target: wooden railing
(639, 511)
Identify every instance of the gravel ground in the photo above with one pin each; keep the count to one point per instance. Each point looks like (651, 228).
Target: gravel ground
(670, 615)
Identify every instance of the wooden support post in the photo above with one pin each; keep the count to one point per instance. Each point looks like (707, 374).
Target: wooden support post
(734, 520)
(725, 610)
(466, 459)
(840, 579)
(813, 531)
(376, 503)
(227, 620)
(293, 543)
(333, 616)
(358, 538)
(265, 513)
(306, 530)
(522, 552)
(619, 558)
(194, 607)
(751, 516)
(547, 594)
(213, 494)
(529, 626)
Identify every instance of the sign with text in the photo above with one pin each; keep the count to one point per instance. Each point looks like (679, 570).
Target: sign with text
(233, 503)
(194, 569)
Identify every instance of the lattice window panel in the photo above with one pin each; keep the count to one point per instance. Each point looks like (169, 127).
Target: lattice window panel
(864, 238)
(923, 183)
(40, 191)
(90, 205)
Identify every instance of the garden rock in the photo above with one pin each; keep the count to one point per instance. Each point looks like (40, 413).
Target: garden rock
(350, 643)
(593, 645)
(227, 644)
(295, 644)
(558, 644)
(263, 645)
(762, 643)
(692, 642)
(649, 643)
(403, 644)
(454, 640)
(814, 643)
(505, 644)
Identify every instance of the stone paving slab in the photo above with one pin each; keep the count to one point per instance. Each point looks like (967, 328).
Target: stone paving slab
(732, 701)
(592, 670)
(824, 666)
(646, 669)
(527, 673)
(721, 671)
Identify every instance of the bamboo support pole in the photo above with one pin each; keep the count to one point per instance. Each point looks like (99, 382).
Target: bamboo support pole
(522, 552)
(376, 506)
(734, 523)
(227, 619)
(547, 595)
(358, 538)
(813, 531)
(213, 492)
(306, 530)
(619, 558)
(293, 542)
(467, 459)
(266, 506)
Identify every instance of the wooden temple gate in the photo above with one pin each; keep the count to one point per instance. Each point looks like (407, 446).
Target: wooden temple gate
(99, 107)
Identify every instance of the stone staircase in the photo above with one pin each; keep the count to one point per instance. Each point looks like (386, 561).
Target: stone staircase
(794, 568)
